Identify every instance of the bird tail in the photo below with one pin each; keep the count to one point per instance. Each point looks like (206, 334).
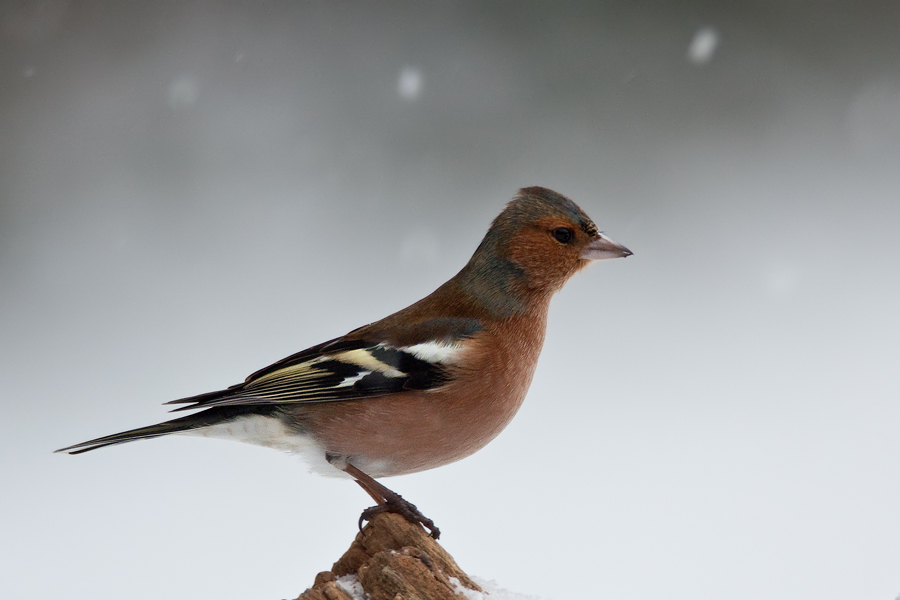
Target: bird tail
(194, 421)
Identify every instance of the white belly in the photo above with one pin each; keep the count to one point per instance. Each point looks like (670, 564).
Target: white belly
(271, 433)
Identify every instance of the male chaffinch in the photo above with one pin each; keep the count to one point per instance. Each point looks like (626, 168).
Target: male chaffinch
(423, 387)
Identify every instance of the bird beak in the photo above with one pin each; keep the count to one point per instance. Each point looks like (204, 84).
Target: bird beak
(602, 247)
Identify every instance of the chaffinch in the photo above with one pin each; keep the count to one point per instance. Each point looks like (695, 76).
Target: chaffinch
(423, 387)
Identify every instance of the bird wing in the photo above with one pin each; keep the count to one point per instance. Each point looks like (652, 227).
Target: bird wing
(364, 364)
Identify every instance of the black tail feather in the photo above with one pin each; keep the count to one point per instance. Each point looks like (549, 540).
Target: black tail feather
(143, 433)
(104, 445)
(204, 418)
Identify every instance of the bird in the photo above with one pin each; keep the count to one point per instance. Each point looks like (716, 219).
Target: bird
(423, 387)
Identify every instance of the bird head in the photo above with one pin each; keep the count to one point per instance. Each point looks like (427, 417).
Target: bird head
(533, 247)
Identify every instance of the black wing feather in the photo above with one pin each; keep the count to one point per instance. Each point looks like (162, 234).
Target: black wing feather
(346, 369)
(317, 377)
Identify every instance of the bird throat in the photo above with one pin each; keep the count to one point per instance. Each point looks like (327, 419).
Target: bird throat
(496, 284)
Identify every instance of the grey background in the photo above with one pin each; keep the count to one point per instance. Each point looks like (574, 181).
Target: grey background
(190, 191)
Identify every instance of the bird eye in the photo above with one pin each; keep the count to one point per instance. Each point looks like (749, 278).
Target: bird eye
(563, 234)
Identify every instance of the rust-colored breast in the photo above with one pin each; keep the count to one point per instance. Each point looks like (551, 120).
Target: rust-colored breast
(418, 430)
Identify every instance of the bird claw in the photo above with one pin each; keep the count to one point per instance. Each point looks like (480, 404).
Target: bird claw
(404, 508)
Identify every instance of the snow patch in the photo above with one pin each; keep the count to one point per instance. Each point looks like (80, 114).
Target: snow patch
(492, 591)
(351, 585)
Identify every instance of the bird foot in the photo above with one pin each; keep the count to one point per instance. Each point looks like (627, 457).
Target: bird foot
(396, 504)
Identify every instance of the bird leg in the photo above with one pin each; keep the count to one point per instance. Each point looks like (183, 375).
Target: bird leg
(389, 501)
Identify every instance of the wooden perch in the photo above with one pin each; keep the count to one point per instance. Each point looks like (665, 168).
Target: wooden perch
(392, 559)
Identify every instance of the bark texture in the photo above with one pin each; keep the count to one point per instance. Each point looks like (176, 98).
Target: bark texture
(392, 559)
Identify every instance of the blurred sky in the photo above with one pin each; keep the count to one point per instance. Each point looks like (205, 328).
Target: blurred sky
(190, 191)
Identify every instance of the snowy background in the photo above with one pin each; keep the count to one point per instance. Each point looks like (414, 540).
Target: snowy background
(190, 191)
